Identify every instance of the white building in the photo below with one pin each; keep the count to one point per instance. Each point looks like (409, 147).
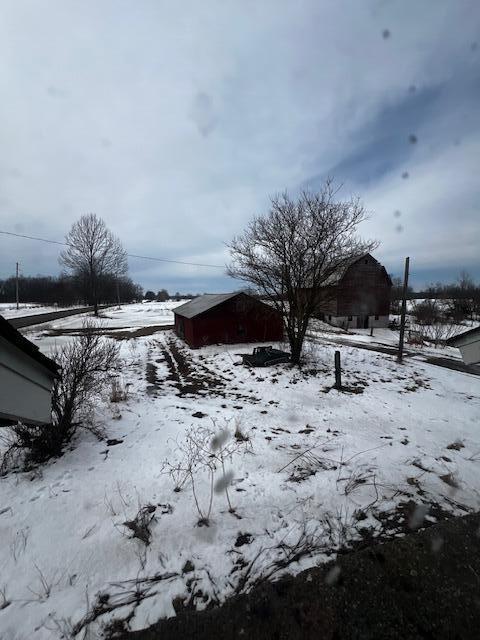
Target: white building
(469, 345)
(26, 379)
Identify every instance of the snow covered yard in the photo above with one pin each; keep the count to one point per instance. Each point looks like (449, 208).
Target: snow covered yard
(313, 469)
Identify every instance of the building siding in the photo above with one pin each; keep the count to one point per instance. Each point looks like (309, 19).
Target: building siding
(352, 322)
(25, 387)
(469, 345)
(471, 352)
(364, 290)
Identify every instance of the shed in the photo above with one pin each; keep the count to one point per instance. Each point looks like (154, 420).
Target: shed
(469, 344)
(358, 295)
(227, 318)
(26, 379)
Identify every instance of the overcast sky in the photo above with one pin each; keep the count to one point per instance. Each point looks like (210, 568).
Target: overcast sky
(174, 121)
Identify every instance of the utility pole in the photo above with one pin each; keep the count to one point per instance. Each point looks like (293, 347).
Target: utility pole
(404, 309)
(16, 285)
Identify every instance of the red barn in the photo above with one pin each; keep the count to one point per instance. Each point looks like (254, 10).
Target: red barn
(227, 318)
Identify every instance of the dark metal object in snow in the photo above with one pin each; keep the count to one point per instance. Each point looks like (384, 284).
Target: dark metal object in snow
(338, 371)
(265, 357)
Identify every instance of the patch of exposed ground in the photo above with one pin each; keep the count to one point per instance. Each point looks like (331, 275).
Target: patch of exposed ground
(152, 378)
(191, 375)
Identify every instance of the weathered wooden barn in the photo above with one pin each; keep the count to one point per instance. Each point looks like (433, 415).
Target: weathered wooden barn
(227, 318)
(358, 296)
(26, 379)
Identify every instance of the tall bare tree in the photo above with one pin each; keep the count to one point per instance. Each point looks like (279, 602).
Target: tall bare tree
(290, 253)
(463, 298)
(93, 252)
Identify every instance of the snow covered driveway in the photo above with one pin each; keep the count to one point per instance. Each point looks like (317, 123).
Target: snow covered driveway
(311, 469)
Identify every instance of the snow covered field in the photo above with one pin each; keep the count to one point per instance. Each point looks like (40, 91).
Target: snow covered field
(142, 314)
(134, 315)
(130, 320)
(313, 470)
(9, 309)
(389, 338)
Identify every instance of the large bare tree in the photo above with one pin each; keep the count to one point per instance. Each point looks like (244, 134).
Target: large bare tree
(290, 253)
(92, 253)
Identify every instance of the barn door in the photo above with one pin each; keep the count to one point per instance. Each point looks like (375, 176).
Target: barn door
(362, 322)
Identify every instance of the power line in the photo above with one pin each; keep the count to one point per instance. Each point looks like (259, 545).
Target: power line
(19, 235)
(130, 255)
(193, 264)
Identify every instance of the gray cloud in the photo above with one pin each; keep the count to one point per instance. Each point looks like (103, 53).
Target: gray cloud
(174, 122)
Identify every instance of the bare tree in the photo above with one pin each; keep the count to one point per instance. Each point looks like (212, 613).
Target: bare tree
(86, 366)
(396, 293)
(434, 321)
(93, 252)
(462, 302)
(290, 253)
(428, 312)
(120, 264)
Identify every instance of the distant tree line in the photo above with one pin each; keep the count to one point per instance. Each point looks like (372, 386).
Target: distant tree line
(163, 295)
(67, 290)
(461, 298)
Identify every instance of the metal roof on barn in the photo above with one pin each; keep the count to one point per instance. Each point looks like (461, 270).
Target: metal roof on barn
(335, 278)
(203, 303)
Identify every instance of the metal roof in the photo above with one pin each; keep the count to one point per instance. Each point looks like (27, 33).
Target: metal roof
(336, 277)
(203, 303)
(464, 338)
(9, 333)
